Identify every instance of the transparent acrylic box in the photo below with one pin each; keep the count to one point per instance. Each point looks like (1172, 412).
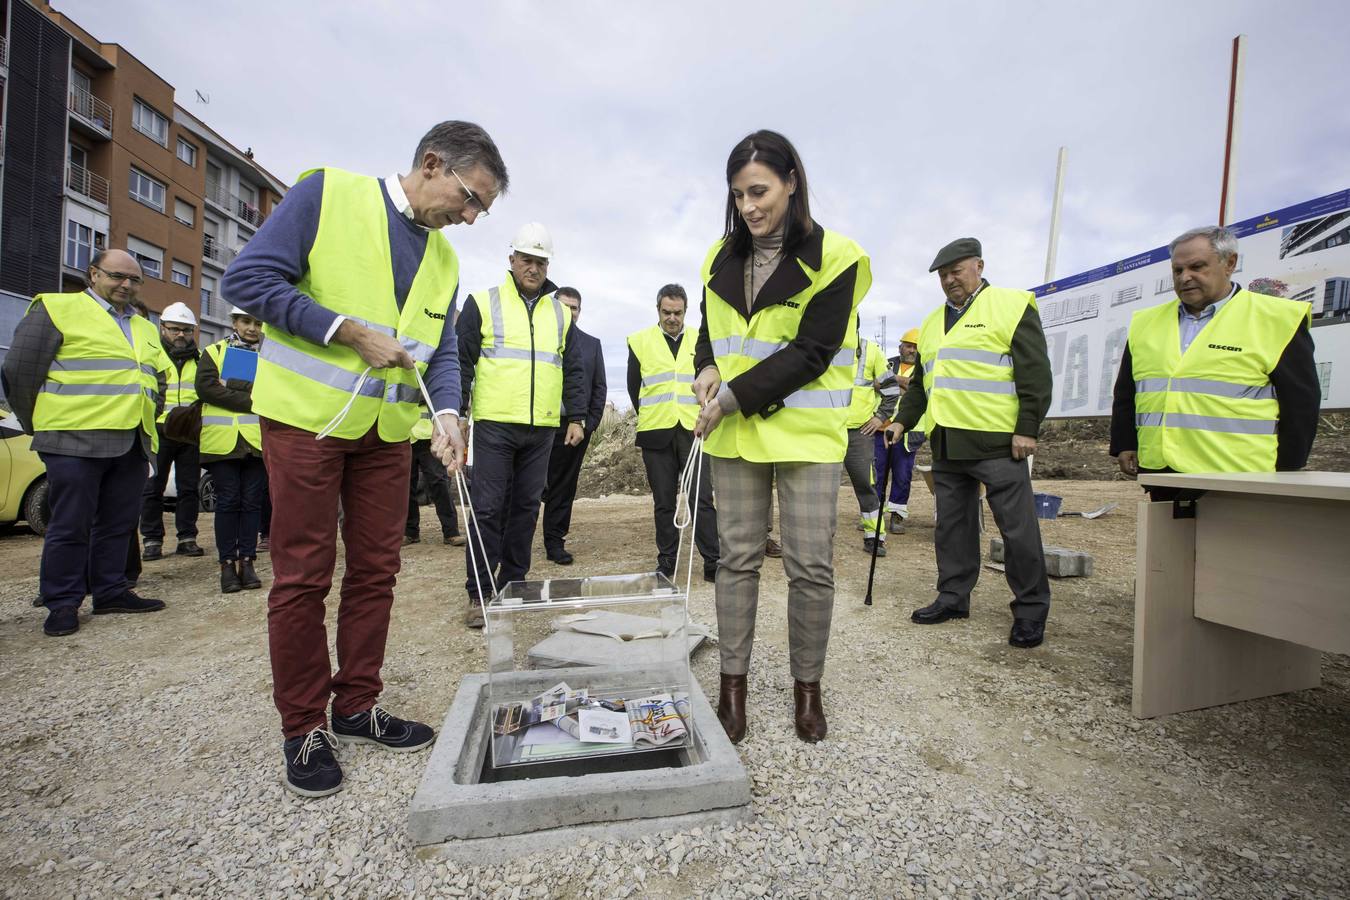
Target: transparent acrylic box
(615, 637)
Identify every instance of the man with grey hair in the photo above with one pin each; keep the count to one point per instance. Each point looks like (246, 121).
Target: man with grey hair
(356, 285)
(1218, 380)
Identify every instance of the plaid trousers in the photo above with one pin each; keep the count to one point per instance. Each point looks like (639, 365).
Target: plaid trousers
(807, 502)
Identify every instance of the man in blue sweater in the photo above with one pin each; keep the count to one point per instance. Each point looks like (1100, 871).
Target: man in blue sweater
(320, 274)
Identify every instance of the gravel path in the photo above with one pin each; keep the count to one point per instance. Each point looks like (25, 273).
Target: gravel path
(141, 757)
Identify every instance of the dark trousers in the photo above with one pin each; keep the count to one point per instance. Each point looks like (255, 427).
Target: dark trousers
(663, 477)
(510, 469)
(437, 482)
(307, 478)
(564, 468)
(900, 462)
(241, 485)
(183, 459)
(265, 521)
(956, 482)
(93, 519)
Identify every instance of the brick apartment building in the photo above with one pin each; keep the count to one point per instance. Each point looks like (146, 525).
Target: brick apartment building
(97, 153)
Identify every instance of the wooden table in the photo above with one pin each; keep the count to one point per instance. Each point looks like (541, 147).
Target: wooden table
(1241, 600)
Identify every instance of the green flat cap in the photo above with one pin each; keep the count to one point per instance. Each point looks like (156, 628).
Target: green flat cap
(958, 249)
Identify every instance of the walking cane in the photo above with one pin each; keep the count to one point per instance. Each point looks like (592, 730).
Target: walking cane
(876, 535)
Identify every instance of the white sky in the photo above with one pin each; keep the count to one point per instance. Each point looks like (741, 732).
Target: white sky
(917, 122)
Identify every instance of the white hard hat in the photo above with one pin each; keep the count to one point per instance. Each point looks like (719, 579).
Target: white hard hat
(236, 311)
(534, 239)
(178, 312)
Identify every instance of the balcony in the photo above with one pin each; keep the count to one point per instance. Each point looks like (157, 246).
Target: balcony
(216, 252)
(214, 306)
(4, 52)
(233, 204)
(87, 184)
(91, 112)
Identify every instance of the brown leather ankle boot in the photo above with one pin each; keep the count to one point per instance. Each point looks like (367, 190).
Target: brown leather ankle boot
(731, 706)
(809, 714)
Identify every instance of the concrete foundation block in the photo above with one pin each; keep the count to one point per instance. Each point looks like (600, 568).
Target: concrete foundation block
(1060, 562)
(454, 814)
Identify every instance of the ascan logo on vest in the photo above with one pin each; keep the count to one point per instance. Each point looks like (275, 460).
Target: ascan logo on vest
(433, 315)
(975, 325)
(791, 305)
(1225, 347)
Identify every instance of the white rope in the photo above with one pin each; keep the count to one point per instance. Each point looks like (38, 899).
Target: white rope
(334, 422)
(686, 509)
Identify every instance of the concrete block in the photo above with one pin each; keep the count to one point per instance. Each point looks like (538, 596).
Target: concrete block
(487, 821)
(1060, 562)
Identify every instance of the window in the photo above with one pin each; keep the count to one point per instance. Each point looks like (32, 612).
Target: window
(80, 81)
(79, 245)
(187, 153)
(146, 120)
(184, 212)
(148, 255)
(79, 157)
(181, 273)
(208, 288)
(146, 189)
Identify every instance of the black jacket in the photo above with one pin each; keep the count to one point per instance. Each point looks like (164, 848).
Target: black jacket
(1032, 375)
(469, 333)
(593, 383)
(820, 334)
(1297, 389)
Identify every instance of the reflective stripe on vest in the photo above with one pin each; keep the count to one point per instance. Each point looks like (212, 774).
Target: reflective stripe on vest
(968, 371)
(665, 389)
(350, 272)
(808, 425)
(182, 391)
(98, 379)
(1212, 408)
(518, 377)
(865, 398)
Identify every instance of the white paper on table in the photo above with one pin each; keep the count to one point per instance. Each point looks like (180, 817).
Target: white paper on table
(602, 726)
(546, 733)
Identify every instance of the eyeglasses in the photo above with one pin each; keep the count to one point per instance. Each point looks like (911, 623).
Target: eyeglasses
(178, 329)
(470, 196)
(120, 276)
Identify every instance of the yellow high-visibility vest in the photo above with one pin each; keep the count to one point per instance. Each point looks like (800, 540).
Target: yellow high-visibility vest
(519, 376)
(1212, 408)
(968, 371)
(180, 386)
(666, 396)
(809, 427)
(98, 380)
(351, 273)
(870, 367)
(221, 427)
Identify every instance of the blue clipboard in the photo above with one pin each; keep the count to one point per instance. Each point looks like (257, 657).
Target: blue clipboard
(239, 364)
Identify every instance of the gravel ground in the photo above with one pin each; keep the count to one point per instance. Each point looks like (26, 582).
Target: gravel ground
(142, 755)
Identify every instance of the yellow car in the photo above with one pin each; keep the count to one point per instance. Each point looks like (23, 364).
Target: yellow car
(23, 479)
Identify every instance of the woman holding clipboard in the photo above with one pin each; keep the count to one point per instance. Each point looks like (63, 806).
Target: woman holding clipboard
(231, 448)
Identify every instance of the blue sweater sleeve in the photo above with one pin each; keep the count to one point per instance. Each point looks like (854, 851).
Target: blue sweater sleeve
(442, 375)
(262, 279)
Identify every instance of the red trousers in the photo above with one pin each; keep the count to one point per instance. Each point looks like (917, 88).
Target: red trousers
(307, 479)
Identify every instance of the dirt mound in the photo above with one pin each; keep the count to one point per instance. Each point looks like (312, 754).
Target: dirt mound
(613, 461)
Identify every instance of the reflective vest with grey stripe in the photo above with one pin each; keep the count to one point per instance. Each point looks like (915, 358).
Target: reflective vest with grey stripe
(180, 385)
(665, 394)
(1212, 408)
(968, 371)
(221, 427)
(99, 380)
(519, 375)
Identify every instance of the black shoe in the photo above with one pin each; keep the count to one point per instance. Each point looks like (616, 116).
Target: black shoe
(153, 550)
(188, 548)
(311, 768)
(411, 539)
(128, 602)
(867, 545)
(247, 577)
(61, 620)
(935, 612)
(897, 523)
(375, 726)
(561, 557)
(710, 572)
(1026, 633)
(666, 567)
(229, 578)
